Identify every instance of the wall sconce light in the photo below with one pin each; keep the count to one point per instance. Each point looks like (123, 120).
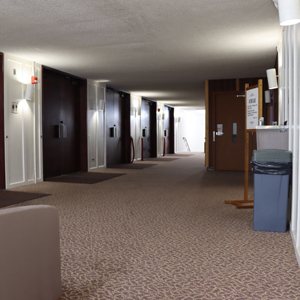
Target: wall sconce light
(272, 80)
(289, 12)
(101, 105)
(29, 91)
(132, 111)
(267, 97)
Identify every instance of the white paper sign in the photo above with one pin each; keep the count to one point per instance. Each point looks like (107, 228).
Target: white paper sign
(252, 108)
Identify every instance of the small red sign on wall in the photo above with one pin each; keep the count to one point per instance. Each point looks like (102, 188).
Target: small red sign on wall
(34, 80)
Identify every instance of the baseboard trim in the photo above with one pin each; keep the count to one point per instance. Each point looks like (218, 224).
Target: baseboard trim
(297, 250)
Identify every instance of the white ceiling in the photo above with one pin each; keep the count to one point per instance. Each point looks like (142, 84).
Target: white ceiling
(161, 49)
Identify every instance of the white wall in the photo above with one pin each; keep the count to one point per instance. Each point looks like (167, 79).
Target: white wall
(289, 82)
(23, 130)
(96, 125)
(135, 125)
(160, 128)
(189, 124)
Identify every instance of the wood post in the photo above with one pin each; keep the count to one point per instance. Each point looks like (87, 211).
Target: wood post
(246, 203)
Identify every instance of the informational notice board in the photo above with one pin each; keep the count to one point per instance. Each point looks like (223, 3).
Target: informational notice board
(252, 108)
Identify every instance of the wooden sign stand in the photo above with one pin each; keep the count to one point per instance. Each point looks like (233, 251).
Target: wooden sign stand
(246, 203)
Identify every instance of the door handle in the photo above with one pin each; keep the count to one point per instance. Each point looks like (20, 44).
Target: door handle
(166, 132)
(234, 132)
(113, 131)
(62, 130)
(144, 132)
(219, 129)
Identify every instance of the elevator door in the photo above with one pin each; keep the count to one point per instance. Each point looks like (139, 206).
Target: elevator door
(61, 155)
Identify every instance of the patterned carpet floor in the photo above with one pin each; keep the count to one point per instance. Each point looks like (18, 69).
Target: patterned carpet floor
(165, 233)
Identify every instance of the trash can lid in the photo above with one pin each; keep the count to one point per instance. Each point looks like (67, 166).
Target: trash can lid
(272, 155)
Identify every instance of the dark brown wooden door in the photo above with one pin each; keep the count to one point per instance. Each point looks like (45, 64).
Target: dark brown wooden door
(2, 146)
(153, 129)
(169, 129)
(61, 105)
(113, 128)
(70, 152)
(148, 123)
(230, 140)
(117, 127)
(145, 122)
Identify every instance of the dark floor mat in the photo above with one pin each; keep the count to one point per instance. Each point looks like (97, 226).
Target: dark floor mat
(134, 166)
(181, 155)
(10, 197)
(164, 159)
(85, 178)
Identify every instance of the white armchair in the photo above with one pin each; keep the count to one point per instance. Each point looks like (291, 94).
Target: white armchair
(30, 253)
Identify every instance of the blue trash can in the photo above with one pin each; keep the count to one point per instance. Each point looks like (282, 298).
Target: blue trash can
(272, 171)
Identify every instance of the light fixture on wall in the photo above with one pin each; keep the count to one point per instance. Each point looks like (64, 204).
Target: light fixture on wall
(101, 105)
(29, 88)
(267, 97)
(272, 79)
(289, 12)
